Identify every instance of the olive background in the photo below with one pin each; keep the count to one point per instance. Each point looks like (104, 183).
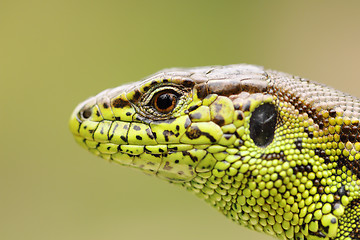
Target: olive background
(54, 54)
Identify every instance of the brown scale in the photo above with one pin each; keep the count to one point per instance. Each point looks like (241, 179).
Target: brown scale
(302, 169)
(120, 103)
(301, 106)
(273, 156)
(321, 153)
(350, 133)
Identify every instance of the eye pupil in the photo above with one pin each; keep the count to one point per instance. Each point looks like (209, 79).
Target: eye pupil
(165, 102)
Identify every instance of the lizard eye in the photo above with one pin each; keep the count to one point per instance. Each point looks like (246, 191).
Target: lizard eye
(262, 124)
(165, 101)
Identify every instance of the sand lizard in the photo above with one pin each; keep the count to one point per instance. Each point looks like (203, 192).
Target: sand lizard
(273, 152)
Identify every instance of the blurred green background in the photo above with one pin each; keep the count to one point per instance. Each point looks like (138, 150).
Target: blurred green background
(54, 54)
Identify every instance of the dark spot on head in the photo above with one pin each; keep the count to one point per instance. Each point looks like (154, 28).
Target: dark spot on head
(195, 116)
(219, 119)
(194, 133)
(336, 205)
(240, 116)
(187, 123)
(279, 156)
(192, 108)
(332, 113)
(298, 143)
(225, 88)
(227, 136)
(106, 105)
(167, 134)
(342, 191)
(167, 166)
(188, 83)
(352, 138)
(149, 133)
(316, 182)
(321, 153)
(344, 138)
(136, 96)
(345, 129)
(85, 127)
(310, 134)
(354, 128)
(349, 133)
(202, 90)
(120, 103)
(308, 168)
(246, 106)
(123, 138)
(176, 161)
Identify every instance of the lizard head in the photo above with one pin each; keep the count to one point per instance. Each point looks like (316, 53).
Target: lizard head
(179, 124)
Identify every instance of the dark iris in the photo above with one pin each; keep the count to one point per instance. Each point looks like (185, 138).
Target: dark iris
(165, 102)
(262, 124)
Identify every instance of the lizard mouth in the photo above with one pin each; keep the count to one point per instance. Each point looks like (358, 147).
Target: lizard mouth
(130, 144)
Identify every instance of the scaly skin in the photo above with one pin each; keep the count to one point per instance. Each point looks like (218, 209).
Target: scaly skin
(273, 152)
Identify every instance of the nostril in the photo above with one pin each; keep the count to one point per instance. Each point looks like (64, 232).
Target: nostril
(86, 113)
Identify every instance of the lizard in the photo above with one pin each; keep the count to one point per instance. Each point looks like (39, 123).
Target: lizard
(274, 152)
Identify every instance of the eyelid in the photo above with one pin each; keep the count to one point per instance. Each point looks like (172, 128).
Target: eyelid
(146, 106)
